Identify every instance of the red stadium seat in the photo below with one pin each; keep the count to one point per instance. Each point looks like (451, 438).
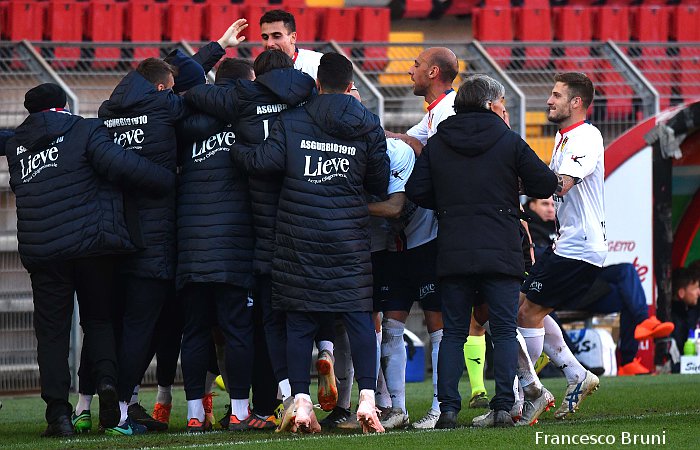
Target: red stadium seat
(24, 20)
(217, 17)
(689, 74)
(611, 22)
(534, 24)
(307, 23)
(338, 24)
(182, 21)
(64, 23)
(617, 92)
(685, 23)
(104, 23)
(494, 24)
(461, 7)
(576, 59)
(373, 25)
(573, 23)
(650, 23)
(142, 23)
(417, 9)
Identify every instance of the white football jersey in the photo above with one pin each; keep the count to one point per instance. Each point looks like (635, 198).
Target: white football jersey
(401, 162)
(439, 110)
(307, 61)
(579, 153)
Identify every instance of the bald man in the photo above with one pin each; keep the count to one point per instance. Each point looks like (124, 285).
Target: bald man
(432, 73)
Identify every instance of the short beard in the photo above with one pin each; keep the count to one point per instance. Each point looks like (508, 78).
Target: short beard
(557, 119)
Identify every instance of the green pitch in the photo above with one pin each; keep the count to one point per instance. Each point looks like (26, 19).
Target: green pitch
(649, 407)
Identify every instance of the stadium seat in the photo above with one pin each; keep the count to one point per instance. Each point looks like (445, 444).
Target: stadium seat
(24, 19)
(575, 59)
(542, 146)
(325, 3)
(142, 23)
(183, 21)
(689, 74)
(534, 24)
(401, 58)
(252, 33)
(64, 23)
(685, 23)
(104, 23)
(611, 22)
(307, 23)
(534, 121)
(494, 24)
(338, 24)
(416, 9)
(461, 7)
(217, 16)
(617, 92)
(373, 25)
(573, 23)
(649, 23)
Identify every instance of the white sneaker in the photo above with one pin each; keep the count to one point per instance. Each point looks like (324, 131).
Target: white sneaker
(533, 408)
(428, 421)
(394, 419)
(575, 393)
(493, 419)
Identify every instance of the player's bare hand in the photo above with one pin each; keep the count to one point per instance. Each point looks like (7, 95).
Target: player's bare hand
(231, 37)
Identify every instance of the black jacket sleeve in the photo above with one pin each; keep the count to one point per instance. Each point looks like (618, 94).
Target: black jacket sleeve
(125, 167)
(177, 107)
(419, 188)
(4, 137)
(377, 175)
(197, 127)
(268, 157)
(209, 55)
(538, 180)
(218, 101)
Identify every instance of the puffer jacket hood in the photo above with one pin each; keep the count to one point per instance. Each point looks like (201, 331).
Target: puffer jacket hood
(40, 129)
(483, 127)
(341, 116)
(291, 86)
(131, 93)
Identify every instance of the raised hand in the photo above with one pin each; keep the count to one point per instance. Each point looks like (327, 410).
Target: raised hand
(230, 38)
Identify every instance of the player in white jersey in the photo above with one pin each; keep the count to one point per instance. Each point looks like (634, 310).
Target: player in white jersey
(563, 274)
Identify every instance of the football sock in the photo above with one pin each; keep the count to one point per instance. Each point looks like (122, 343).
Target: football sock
(165, 395)
(474, 357)
(239, 408)
(394, 361)
(123, 408)
(284, 389)
(344, 370)
(195, 409)
(135, 395)
(84, 402)
(525, 371)
(560, 354)
(435, 339)
(534, 339)
(325, 345)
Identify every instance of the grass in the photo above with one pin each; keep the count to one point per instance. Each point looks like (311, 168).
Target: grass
(664, 405)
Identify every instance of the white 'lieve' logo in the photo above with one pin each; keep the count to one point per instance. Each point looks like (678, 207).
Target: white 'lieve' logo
(32, 165)
(222, 140)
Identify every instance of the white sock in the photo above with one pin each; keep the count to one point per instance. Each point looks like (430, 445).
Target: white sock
(381, 395)
(84, 402)
(123, 407)
(526, 371)
(394, 361)
(164, 395)
(195, 409)
(344, 370)
(284, 389)
(135, 395)
(555, 347)
(209, 382)
(534, 339)
(239, 408)
(435, 339)
(325, 345)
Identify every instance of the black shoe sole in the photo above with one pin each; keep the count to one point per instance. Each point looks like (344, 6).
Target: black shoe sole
(109, 406)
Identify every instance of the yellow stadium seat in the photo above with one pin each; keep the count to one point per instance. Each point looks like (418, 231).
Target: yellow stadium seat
(534, 121)
(401, 57)
(325, 3)
(542, 146)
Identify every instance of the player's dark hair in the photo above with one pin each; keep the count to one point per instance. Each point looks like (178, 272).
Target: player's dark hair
(279, 15)
(579, 86)
(272, 59)
(156, 70)
(235, 69)
(334, 73)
